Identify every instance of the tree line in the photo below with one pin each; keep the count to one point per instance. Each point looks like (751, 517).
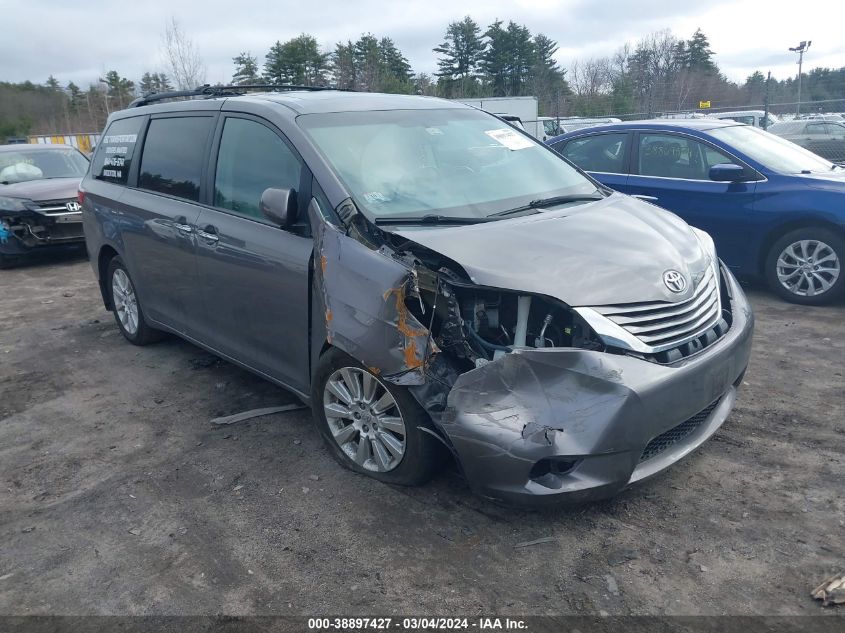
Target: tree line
(659, 73)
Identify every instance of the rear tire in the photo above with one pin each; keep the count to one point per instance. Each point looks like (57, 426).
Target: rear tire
(372, 426)
(126, 306)
(805, 266)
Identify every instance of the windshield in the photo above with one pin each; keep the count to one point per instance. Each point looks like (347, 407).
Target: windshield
(24, 165)
(771, 151)
(454, 162)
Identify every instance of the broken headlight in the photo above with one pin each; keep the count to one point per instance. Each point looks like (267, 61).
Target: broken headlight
(12, 204)
(484, 323)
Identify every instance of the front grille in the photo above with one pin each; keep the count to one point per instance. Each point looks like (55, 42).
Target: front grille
(676, 434)
(662, 325)
(55, 207)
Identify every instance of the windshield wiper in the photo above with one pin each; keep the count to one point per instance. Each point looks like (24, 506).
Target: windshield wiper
(429, 219)
(543, 203)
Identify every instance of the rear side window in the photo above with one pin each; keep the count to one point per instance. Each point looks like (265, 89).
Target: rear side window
(602, 152)
(116, 150)
(173, 157)
(252, 158)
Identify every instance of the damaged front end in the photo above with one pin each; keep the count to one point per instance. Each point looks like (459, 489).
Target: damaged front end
(26, 224)
(534, 404)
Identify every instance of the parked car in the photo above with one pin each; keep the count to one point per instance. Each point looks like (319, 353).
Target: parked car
(823, 137)
(818, 116)
(775, 210)
(429, 278)
(38, 205)
(757, 118)
(570, 124)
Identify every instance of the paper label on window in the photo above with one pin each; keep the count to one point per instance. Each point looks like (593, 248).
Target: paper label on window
(509, 138)
(374, 196)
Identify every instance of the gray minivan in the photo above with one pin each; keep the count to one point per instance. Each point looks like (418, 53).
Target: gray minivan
(432, 281)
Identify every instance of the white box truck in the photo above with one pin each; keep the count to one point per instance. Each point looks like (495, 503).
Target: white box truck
(523, 107)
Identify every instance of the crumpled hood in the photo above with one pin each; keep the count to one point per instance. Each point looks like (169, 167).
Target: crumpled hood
(44, 189)
(611, 251)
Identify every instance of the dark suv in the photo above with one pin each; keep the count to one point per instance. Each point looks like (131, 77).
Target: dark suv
(431, 280)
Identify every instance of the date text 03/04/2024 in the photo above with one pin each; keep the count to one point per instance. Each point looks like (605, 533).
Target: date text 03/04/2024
(416, 623)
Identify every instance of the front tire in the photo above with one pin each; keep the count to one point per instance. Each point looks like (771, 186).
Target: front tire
(805, 266)
(126, 306)
(370, 425)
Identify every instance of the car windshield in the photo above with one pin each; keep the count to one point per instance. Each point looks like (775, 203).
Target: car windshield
(28, 164)
(452, 162)
(771, 151)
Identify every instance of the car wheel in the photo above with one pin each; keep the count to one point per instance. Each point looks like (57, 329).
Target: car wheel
(127, 308)
(805, 266)
(370, 425)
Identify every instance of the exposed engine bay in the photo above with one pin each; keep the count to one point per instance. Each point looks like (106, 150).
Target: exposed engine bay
(474, 325)
(431, 313)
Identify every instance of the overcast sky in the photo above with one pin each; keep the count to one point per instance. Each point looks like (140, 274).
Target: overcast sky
(78, 40)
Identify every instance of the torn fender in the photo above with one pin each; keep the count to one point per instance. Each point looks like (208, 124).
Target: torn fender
(360, 292)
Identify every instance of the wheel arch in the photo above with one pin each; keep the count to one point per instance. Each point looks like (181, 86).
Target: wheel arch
(782, 229)
(106, 254)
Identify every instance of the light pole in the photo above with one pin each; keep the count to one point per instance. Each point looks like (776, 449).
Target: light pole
(803, 47)
(106, 95)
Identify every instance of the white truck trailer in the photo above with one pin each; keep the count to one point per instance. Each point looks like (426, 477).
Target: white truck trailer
(523, 107)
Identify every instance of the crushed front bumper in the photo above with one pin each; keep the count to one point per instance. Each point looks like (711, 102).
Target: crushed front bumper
(44, 225)
(542, 426)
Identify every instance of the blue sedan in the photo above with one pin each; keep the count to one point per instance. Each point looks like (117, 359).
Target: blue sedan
(775, 210)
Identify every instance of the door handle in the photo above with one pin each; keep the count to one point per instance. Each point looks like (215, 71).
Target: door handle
(644, 197)
(208, 235)
(181, 224)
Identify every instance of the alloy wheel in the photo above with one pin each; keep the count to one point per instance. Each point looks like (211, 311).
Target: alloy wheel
(125, 301)
(364, 419)
(808, 268)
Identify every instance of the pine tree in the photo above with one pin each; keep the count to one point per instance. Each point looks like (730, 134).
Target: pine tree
(546, 80)
(77, 99)
(246, 69)
(698, 57)
(297, 61)
(120, 89)
(274, 64)
(343, 66)
(395, 75)
(368, 63)
(460, 57)
(495, 61)
(521, 57)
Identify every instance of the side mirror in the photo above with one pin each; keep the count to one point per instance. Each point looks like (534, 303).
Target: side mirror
(727, 172)
(279, 206)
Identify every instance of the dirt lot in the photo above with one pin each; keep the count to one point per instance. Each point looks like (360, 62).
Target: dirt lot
(118, 496)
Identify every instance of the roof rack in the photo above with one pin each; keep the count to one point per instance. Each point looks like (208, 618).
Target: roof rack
(208, 91)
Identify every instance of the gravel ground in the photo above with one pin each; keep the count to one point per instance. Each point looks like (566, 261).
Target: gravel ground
(117, 495)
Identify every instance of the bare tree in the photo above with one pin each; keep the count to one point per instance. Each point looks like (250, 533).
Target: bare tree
(182, 57)
(590, 77)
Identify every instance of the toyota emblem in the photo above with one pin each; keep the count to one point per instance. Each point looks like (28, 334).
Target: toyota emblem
(73, 207)
(674, 281)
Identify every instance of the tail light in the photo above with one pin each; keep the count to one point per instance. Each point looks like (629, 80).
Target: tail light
(80, 195)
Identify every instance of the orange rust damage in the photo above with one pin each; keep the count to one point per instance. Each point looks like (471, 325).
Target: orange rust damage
(323, 263)
(413, 358)
(329, 318)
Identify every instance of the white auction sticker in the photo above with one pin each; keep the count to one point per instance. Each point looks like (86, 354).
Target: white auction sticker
(509, 138)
